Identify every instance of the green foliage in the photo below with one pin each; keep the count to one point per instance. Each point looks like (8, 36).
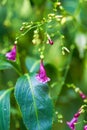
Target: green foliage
(32, 64)
(31, 24)
(5, 109)
(35, 103)
(4, 65)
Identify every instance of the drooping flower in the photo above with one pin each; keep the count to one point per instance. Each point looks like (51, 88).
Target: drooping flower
(50, 42)
(74, 120)
(82, 95)
(41, 76)
(12, 54)
(85, 127)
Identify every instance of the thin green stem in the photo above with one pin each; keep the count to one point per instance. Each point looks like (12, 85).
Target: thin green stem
(23, 34)
(18, 72)
(10, 89)
(67, 67)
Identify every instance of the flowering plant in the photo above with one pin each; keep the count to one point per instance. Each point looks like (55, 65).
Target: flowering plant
(43, 70)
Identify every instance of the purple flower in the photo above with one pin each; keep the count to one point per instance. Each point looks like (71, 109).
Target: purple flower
(82, 95)
(74, 120)
(12, 54)
(85, 127)
(50, 42)
(41, 76)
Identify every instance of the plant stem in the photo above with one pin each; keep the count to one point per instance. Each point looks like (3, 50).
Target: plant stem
(19, 73)
(67, 68)
(23, 34)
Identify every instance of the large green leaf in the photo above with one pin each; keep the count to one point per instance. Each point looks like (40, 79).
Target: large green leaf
(5, 109)
(35, 103)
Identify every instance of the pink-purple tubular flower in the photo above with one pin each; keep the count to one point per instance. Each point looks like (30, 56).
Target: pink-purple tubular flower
(74, 120)
(41, 76)
(82, 95)
(85, 127)
(51, 42)
(12, 54)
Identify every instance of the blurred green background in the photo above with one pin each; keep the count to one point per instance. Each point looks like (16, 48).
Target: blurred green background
(73, 26)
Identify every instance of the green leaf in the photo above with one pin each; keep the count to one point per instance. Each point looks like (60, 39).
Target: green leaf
(35, 103)
(32, 64)
(5, 65)
(5, 109)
